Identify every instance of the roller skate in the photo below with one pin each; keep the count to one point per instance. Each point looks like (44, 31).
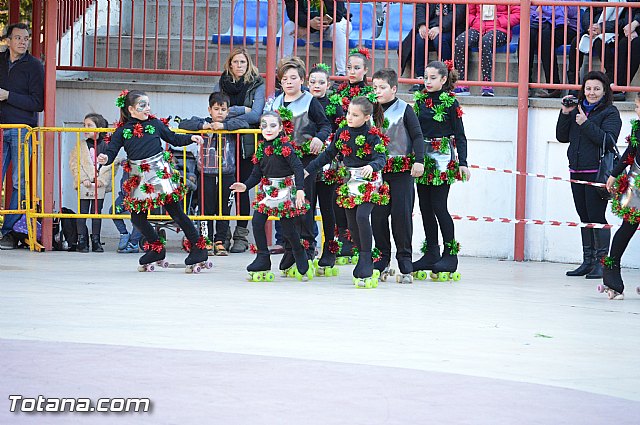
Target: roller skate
(198, 258)
(310, 251)
(612, 283)
(383, 265)
(404, 278)
(325, 265)
(364, 275)
(154, 256)
(303, 270)
(287, 264)
(431, 255)
(445, 269)
(260, 269)
(345, 255)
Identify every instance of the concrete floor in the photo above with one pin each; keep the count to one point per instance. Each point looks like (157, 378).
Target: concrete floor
(511, 342)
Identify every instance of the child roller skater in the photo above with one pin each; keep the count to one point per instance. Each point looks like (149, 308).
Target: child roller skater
(356, 85)
(153, 183)
(364, 157)
(280, 175)
(306, 124)
(404, 162)
(328, 178)
(440, 118)
(626, 205)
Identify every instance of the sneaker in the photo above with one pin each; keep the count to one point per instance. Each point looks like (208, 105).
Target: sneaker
(487, 92)
(124, 241)
(8, 242)
(461, 91)
(219, 250)
(131, 248)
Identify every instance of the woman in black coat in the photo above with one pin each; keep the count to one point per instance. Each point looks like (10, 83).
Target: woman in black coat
(586, 127)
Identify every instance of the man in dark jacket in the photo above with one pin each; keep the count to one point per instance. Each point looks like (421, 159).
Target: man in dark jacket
(21, 98)
(322, 17)
(428, 29)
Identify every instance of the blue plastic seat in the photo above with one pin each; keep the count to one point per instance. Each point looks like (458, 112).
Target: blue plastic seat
(245, 31)
(391, 30)
(366, 24)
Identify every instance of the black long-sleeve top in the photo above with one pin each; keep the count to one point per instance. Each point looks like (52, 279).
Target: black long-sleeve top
(277, 166)
(451, 125)
(628, 156)
(412, 124)
(432, 18)
(149, 144)
(375, 159)
(324, 102)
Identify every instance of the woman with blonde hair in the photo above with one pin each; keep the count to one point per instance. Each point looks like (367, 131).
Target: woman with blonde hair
(241, 81)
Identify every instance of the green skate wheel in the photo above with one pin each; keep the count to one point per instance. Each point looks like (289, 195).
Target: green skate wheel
(257, 277)
(456, 276)
(291, 272)
(376, 274)
(315, 263)
(354, 280)
(374, 283)
(269, 277)
(335, 271)
(367, 283)
(321, 271)
(354, 259)
(443, 276)
(421, 275)
(341, 261)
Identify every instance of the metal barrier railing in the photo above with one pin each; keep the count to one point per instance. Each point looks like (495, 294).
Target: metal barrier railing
(194, 38)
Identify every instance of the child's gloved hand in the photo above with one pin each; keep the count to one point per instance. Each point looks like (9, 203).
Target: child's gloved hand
(417, 169)
(300, 199)
(367, 171)
(238, 187)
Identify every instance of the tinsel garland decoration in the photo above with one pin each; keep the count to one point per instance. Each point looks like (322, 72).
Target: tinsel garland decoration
(361, 50)
(305, 244)
(367, 194)
(285, 209)
(424, 247)
(253, 249)
(156, 246)
(138, 130)
(446, 100)
(635, 129)
(628, 214)
(127, 133)
(345, 93)
(334, 246)
(433, 176)
(275, 148)
(122, 98)
(376, 254)
(453, 246)
(399, 164)
(607, 262)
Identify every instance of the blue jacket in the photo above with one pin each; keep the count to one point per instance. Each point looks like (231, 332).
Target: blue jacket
(25, 84)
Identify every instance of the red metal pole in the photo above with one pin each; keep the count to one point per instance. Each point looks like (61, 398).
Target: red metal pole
(48, 156)
(14, 11)
(36, 29)
(523, 126)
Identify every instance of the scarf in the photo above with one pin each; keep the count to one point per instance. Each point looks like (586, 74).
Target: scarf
(588, 107)
(236, 90)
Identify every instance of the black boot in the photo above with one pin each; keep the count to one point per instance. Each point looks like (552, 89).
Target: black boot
(197, 255)
(152, 255)
(449, 261)
(287, 260)
(611, 276)
(262, 263)
(302, 262)
(587, 254)
(328, 258)
(431, 255)
(347, 244)
(364, 268)
(96, 245)
(83, 243)
(383, 262)
(601, 238)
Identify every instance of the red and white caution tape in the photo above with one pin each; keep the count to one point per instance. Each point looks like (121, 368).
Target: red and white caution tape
(533, 221)
(540, 176)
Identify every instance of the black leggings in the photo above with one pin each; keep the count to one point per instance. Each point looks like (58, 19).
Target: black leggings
(88, 206)
(359, 223)
(326, 199)
(307, 224)
(287, 226)
(339, 213)
(175, 211)
(589, 204)
(433, 205)
(621, 239)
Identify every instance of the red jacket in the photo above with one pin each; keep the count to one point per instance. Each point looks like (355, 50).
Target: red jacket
(503, 19)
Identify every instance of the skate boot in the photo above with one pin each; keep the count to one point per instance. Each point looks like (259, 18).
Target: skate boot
(364, 275)
(611, 279)
(325, 265)
(198, 257)
(445, 269)
(303, 270)
(345, 255)
(383, 266)
(154, 256)
(260, 269)
(287, 264)
(431, 255)
(405, 275)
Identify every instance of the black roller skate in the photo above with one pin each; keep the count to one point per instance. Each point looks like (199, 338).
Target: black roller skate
(430, 256)
(346, 254)
(303, 270)
(260, 269)
(364, 275)
(326, 264)
(198, 257)
(154, 256)
(445, 269)
(383, 266)
(612, 279)
(287, 263)
(405, 274)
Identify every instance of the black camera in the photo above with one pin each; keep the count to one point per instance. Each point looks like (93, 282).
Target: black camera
(570, 101)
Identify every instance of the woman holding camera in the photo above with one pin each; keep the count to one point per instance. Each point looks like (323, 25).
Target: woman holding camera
(586, 122)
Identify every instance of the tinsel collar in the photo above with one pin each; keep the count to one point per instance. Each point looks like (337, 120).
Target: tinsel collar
(345, 93)
(635, 129)
(273, 147)
(438, 102)
(362, 146)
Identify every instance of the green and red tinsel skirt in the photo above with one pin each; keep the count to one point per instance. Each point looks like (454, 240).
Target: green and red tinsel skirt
(626, 201)
(276, 197)
(441, 164)
(152, 183)
(357, 189)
